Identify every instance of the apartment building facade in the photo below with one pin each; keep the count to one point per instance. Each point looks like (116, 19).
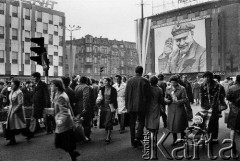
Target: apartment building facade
(91, 53)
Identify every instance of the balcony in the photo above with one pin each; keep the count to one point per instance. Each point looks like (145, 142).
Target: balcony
(39, 19)
(88, 63)
(27, 17)
(14, 14)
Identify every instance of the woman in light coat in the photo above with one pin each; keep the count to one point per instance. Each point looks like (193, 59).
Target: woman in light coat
(64, 136)
(16, 122)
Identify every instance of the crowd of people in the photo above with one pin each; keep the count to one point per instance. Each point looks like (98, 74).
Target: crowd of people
(141, 101)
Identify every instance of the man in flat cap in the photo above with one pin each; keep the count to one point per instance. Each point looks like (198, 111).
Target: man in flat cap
(190, 56)
(163, 58)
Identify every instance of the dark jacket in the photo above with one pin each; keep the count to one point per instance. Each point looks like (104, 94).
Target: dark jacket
(71, 96)
(188, 88)
(137, 94)
(113, 97)
(41, 99)
(27, 96)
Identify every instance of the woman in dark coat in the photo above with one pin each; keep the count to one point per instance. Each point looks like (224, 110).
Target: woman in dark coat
(108, 106)
(176, 97)
(64, 137)
(153, 113)
(233, 123)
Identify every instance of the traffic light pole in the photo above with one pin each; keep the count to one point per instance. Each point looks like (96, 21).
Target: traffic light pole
(46, 76)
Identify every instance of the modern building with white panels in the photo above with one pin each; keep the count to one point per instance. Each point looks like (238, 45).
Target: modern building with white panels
(20, 21)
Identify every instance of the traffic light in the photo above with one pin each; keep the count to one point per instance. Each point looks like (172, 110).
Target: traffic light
(101, 69)
(41, 51)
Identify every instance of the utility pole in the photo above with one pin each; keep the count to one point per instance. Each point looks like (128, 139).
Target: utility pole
(71, 29)
(142, 31)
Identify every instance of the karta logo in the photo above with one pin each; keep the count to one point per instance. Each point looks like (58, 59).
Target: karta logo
(150, 149)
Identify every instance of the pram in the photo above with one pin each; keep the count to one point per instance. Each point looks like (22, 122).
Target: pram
(197, 134)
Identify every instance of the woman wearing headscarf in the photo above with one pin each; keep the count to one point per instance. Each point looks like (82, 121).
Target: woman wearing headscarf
(176, 97)
(108, 107)
(64, 137)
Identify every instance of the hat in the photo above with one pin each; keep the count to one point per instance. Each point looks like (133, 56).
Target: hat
(182, 28)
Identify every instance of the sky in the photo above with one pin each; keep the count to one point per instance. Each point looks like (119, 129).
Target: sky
(112, 19)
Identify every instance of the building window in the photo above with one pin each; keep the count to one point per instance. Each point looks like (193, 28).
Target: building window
(14, 57)
(88, 49)
(95, 59)
(88, 70)
(55, 50)
(39, 34)
(122, 71)
(39, 16)
(82, 60)
(104, 50)
(1, 32)
(27, 14)
(27, 36)
(105, 60)
(27, 58)
(82, 70)
(122, 63)
(45, 28)
(88, 59)
(60, 61)
(60, 41)
(50, 19)
(55, 71)
(95, 49)
(15, 34)
(1, 56)
(95, 70)
(56, 30)
(14, 11)
(60, 21)
(51, 59)
(50, 40)
(122, 54)
(1, 8)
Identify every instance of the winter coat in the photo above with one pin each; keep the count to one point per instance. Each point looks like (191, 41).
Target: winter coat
(41, 99)
(16, 120)
(63, 118)
(137, 94)
(177, 116)
(153, 113)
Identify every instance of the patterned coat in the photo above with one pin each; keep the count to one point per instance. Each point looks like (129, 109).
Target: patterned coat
(84, 105)
(212, 95)
(16, 115)
(177, 116)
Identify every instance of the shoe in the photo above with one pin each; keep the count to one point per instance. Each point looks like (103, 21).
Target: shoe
(108, 140)
(87, 140)
(76, 154)
(137, 142)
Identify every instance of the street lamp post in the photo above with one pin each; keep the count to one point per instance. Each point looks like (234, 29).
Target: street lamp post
(71, 29)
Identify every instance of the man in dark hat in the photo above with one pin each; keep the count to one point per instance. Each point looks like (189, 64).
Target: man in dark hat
(190, 56)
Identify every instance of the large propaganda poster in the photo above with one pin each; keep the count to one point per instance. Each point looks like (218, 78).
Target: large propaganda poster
(181, 48)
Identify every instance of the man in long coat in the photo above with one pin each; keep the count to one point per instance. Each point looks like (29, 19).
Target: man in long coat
(136, 99)
(41, 97)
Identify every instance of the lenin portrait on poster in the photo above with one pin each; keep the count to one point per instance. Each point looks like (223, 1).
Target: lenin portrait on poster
(181, 48)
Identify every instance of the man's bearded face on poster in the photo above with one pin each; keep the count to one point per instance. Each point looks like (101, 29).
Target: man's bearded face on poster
(184, 41)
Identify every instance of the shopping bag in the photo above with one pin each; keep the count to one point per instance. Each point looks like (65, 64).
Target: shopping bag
(33, 125)
(78, 130)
